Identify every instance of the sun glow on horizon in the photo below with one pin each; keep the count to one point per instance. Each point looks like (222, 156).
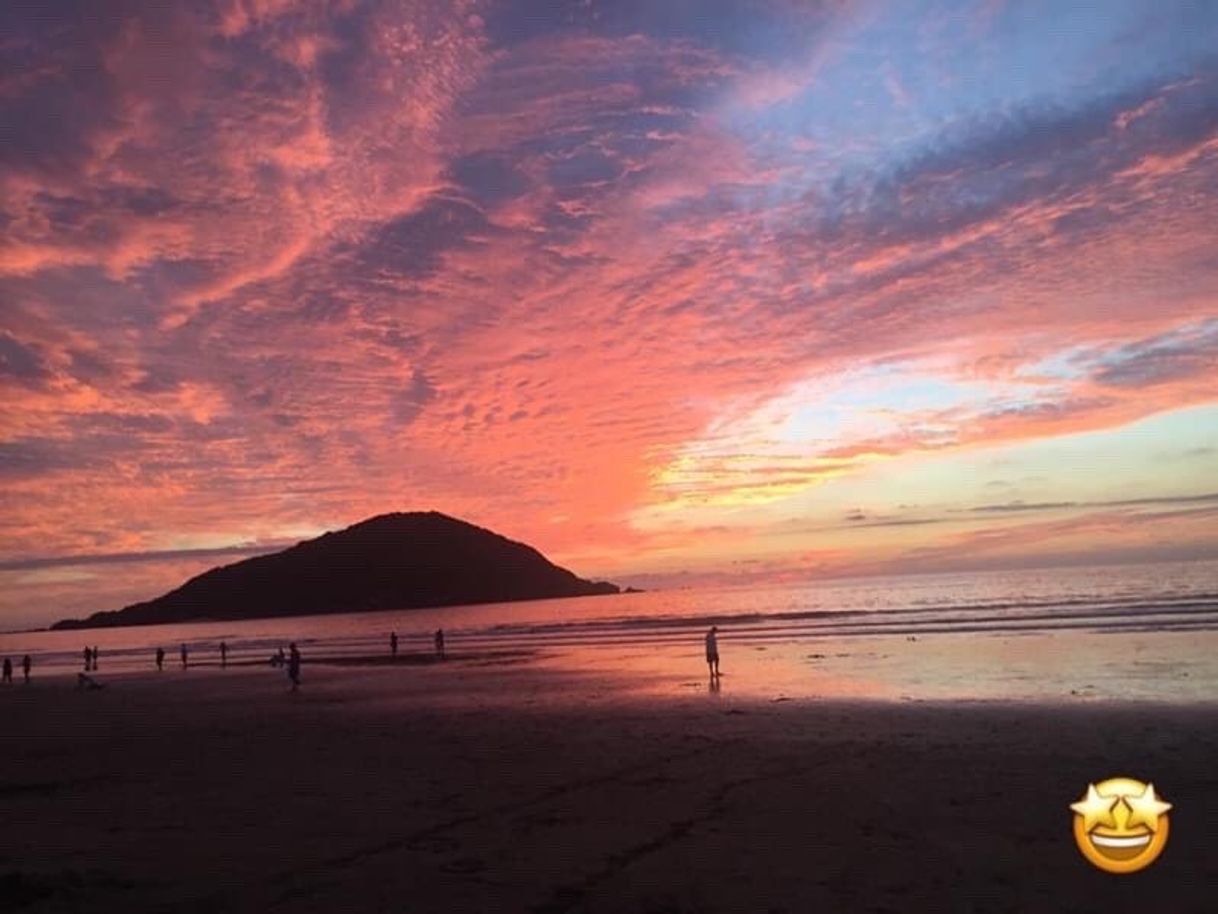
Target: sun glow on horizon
(816, 288)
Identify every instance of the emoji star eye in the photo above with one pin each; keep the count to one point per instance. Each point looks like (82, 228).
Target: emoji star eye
(1146, 809)
(1096, 809)
(1121, 825)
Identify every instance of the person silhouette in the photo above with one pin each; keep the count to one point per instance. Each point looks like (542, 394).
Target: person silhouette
(712, 651)
(95, 658)
(223, 655)
(440, 643)
(26, 663)
(160, 658)
(8, 670)
(294, 666)
(393, 643)
(184, 656)
(88, 660)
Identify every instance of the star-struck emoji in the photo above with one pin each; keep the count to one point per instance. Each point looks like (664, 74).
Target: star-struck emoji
(1146, 809)
(1121, 825)
(1096, 809)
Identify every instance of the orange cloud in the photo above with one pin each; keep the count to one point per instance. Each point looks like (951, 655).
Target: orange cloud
(283, 265)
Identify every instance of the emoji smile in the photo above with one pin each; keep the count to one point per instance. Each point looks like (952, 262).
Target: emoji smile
(1131, 841)
(1121, 825)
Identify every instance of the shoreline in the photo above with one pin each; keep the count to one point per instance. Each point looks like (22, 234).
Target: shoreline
(1058, 670)
(539, 670)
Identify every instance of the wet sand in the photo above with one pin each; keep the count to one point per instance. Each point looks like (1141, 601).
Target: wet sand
(497, 784)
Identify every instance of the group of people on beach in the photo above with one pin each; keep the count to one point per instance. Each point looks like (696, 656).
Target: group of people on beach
(26, 663)
(292, 659)
(84, 680)
(184, 653)
(437, 640)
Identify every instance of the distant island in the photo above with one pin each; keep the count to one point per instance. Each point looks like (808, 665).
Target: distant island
(392, 561)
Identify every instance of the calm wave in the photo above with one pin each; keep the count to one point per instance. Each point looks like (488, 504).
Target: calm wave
(1178, 597)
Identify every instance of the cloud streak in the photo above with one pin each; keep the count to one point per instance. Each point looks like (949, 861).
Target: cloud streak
(589, 275)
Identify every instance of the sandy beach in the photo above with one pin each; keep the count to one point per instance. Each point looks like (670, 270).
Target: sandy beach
(494, 784)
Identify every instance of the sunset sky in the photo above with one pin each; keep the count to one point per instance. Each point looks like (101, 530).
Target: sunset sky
(677, 291)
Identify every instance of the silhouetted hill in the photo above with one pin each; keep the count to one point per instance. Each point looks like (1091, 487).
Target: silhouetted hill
(393, 561)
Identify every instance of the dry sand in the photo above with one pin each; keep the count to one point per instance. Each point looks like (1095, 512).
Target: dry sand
(502, 786)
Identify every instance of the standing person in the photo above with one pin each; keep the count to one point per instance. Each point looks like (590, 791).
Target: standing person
(26, 663)
(88, 659)
(160, 658)
(393, 643)
(294, 666)
(712, 651)
(440, 643)
(8, 670)
(184, 655)
(223, 655)
(95, 658)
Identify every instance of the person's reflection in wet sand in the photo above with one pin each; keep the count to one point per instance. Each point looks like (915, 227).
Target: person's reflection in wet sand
(714, 685)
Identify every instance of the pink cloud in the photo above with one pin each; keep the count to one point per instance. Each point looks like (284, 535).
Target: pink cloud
(319, 263)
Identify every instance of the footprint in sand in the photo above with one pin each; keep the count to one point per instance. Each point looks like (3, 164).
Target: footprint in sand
(465, 866)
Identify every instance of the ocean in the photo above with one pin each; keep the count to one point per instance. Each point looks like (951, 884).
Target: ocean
(1135, 632)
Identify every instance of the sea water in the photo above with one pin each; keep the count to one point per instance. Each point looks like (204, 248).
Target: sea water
(1138, 632)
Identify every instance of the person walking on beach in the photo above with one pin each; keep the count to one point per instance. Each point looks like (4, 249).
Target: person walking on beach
(393, 643)
(95, 658)
(26, 663)
(160, 658)
(223, 655)
(184, 656)
(8, 670)
(294, 666)
(440, 643)
(712, 651)
(88, 660)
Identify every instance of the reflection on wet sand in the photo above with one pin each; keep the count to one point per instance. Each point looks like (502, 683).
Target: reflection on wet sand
(1057, 666)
